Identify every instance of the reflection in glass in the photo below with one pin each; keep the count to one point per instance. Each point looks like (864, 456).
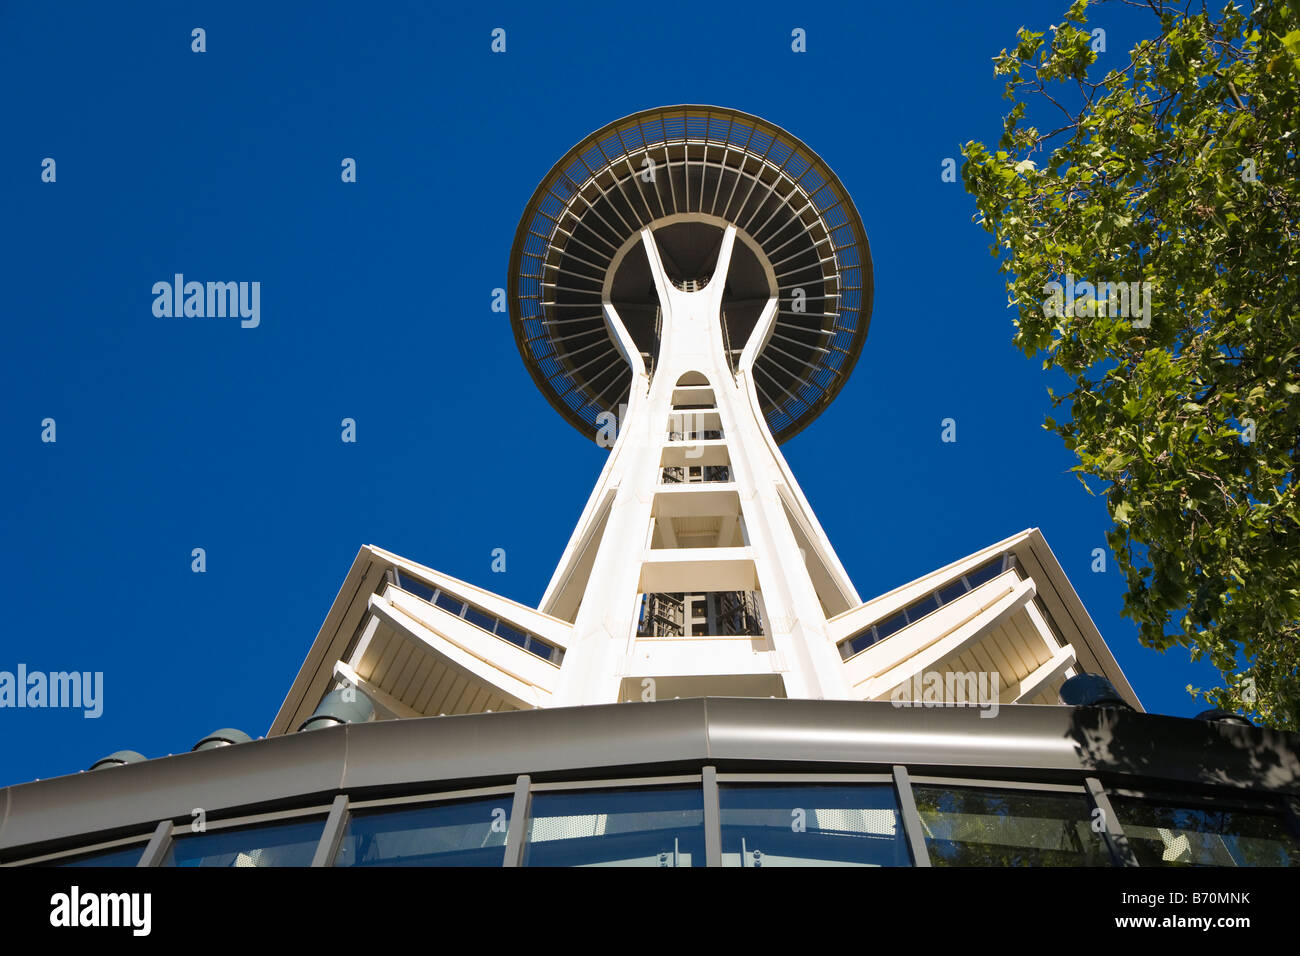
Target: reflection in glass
(277, 844)
(986, 827)
(660, 826)
(468, 833)
(811, 825)
(1165, 835)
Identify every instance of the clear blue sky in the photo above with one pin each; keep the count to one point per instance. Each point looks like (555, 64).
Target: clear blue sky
(182, 433)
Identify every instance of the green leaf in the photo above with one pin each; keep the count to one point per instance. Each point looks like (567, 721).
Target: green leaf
(1144, 185)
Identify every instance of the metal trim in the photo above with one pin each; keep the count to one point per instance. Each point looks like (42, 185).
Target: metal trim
(1121, 854)
(814, 778)
(253, 819)
(440, 796)
(712, 819)
(911, 819)
(158, 845)
(615, 782)
(977, 784)
(332, 835)
(514, 851)
(140, 839)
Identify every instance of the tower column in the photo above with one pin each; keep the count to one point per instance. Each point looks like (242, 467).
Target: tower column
(754, 550)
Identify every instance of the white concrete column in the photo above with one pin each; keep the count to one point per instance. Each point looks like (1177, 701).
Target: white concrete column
(798, 647)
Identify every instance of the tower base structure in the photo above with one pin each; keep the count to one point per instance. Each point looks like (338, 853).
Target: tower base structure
(999, 627)
(704, 782)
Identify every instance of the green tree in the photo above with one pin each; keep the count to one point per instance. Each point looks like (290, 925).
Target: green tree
(1178, 170)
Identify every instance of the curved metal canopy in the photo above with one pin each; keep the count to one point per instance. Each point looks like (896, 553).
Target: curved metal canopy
(686, 172)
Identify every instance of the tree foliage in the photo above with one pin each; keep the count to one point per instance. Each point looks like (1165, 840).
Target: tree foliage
(1178, 169)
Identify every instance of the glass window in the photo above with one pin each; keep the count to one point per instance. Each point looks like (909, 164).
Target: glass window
(952, 592)
(699, 608)
(411, 585)
(277, 844)
(479, 618)
(511, 634)
(921, 608)
(890, 625)
(449, 603)
(645, 826)
(118, 856)
(1162, 833)
(984, 574)
(858, 642)
(986, 827)
(811, 825)
(465, 833)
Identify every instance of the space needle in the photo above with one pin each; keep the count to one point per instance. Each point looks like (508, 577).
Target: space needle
(704, 277)
(700, 684)
(690, 286)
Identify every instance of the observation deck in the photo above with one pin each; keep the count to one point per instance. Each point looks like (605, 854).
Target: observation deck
(686, 173)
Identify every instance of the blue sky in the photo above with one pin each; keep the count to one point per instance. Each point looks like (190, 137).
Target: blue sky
(178, 433)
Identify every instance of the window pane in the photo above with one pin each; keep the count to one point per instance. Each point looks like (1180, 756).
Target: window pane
(469, 833)
(449, 603)
(987, 573)
(280, 844)
(921, 608)
(859, 642)
(412, 586)
(890, 625)
(659, 826)
(951, 592)
(119, 856)
(510, 634)
(811, 825)
(978, 827)
(477, 617)
(1162, 834)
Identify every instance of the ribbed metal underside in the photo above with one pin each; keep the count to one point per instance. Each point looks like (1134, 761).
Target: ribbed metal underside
(717, 166)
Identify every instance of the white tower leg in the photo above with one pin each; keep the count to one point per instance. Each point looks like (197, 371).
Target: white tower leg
(753, 549)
